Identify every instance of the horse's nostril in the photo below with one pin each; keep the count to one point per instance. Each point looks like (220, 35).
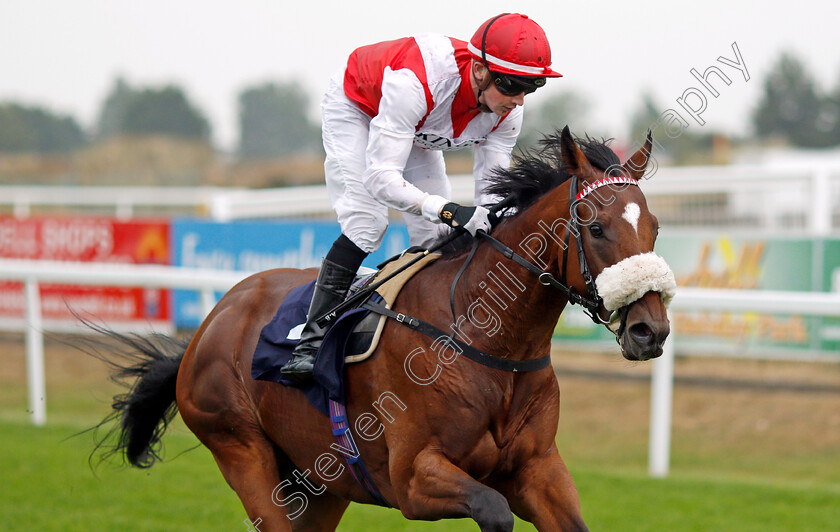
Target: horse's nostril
(641, 333)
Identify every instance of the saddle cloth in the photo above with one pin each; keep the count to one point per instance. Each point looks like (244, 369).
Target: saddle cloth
(352, 338)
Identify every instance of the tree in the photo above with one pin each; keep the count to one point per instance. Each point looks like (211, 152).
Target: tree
(644, 118)
(273, 122)
(164, 111)
(829, 117)
(565, 108)
(689, 147)
(790, 106)
(113, 110)
(33, 129)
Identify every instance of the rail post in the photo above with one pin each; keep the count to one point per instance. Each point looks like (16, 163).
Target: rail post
(35, 353)
(661, 400)
(821, 197)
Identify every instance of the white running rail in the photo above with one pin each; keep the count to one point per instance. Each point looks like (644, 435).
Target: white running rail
(702, 299)
(770, 196)
(32, 273)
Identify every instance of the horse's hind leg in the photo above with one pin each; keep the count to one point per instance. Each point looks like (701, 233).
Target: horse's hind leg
(274, 504)
(251, 469)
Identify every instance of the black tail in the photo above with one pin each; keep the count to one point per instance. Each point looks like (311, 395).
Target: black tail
(148, 367)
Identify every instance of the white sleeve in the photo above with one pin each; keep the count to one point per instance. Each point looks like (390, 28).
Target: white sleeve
(495, 152)
(390, 140)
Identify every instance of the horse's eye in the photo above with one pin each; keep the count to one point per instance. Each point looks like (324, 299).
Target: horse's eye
(596, 231)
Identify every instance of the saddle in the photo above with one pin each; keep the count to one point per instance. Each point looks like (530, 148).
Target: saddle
(365, 335)
(353, 337)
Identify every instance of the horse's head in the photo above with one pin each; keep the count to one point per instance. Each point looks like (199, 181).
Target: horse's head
(616, 232)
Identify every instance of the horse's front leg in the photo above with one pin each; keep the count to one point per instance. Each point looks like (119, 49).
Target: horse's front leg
(430, 487)
(542, 492)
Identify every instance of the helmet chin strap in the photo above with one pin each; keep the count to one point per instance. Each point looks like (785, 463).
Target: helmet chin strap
(484, 108)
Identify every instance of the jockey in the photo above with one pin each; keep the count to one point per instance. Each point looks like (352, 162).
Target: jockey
(388, 115)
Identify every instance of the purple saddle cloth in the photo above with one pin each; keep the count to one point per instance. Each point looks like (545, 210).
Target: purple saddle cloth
(274, 348)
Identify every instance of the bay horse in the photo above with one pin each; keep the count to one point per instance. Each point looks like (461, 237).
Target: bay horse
(441, 436)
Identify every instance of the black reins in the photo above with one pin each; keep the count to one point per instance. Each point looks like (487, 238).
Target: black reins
(545, 278)
(591, 302)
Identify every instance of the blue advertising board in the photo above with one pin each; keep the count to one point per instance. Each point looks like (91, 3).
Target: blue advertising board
(257, 246)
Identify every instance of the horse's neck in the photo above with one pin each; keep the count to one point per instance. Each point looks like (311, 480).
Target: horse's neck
(521, 312)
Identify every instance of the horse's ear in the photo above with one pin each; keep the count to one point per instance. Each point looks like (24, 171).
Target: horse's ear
(574, 160)
(635, 166)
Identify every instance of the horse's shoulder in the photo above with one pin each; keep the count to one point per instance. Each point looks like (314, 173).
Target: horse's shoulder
(533, 409)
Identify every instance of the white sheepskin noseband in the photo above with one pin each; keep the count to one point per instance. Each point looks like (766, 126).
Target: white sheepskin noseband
(627, 280)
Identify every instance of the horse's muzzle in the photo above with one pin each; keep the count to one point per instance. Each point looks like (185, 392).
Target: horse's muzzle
(646, 330)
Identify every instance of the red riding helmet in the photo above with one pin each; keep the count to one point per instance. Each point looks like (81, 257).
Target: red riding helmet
(513, 44)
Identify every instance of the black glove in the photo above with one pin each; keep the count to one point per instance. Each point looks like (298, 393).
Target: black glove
(470, 218)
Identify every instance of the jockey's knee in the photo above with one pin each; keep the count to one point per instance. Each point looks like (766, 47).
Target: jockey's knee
(367, 234)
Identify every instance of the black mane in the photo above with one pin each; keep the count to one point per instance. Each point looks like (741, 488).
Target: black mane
(534, 173)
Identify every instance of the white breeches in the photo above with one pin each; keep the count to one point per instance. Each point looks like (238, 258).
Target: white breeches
(361, 217)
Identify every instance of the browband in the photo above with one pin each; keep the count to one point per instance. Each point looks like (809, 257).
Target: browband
(612, 180)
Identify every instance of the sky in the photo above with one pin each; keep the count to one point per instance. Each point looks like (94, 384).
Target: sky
(66, 55)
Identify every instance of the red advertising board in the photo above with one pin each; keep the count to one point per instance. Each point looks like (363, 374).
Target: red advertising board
(84, 239)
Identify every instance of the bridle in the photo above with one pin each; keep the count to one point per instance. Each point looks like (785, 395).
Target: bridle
(575, 199)
(591, 302)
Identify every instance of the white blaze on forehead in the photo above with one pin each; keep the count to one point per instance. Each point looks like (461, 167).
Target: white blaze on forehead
(631, 214)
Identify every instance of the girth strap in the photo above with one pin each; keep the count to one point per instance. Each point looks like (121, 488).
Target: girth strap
(350, 453)
(485, 359)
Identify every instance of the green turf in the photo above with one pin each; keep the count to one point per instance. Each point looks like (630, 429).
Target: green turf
(48, 486)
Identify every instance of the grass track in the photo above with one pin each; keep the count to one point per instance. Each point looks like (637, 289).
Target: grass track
(741, 460)
(49, 487)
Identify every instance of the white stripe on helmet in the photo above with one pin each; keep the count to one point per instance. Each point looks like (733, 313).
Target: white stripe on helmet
(535, 71)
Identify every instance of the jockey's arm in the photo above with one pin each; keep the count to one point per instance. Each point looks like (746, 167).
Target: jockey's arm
(495, 152)
(391, 138)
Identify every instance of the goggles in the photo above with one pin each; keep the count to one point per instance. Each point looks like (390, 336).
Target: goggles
(514, 85)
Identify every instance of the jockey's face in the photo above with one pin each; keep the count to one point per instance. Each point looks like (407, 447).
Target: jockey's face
(500, 103)
(490, 99)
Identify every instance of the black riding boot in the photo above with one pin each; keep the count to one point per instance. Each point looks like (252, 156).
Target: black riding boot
(331, 287)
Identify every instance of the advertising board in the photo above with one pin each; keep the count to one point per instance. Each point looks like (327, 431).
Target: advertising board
(86, 239)
(720, 260)
(258, 246)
